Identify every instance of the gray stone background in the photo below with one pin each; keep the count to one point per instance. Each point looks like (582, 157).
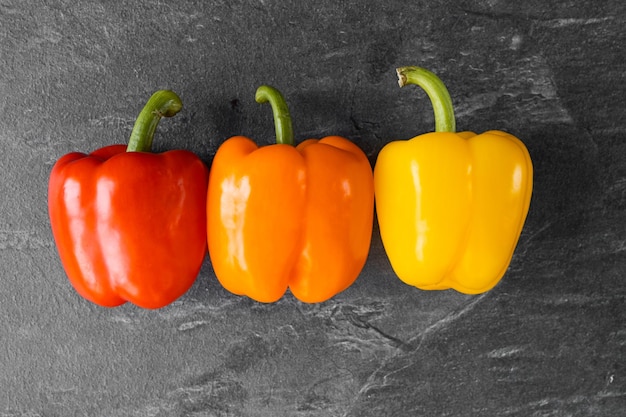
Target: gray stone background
(549, 340)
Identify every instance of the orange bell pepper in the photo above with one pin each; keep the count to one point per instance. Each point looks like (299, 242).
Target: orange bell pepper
(451, 206)
(129, 225)
(283, 217)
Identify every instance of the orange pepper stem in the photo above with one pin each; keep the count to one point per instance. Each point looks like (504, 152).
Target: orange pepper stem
(282, 118)
(163, 103)
(437, 92)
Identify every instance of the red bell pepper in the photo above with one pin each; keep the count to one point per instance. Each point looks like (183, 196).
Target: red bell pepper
(130, 225)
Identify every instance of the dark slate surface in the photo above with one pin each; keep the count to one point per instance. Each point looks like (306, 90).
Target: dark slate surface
(549, 340)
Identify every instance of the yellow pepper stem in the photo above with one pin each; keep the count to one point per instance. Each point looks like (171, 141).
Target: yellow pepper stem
(437, 92)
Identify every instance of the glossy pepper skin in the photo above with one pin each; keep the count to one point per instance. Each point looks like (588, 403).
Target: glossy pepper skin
(451, 206)
(130, 225)
(280, 216)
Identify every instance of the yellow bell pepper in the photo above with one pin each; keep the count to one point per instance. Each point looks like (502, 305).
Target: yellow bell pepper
(451, 206)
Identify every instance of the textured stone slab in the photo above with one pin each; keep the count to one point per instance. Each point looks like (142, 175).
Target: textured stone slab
(550, 339)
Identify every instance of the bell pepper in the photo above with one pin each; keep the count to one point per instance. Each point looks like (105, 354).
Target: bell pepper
(451, 206)
(283, 216)
(129, 224)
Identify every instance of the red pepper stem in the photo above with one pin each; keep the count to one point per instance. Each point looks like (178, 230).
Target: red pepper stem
(437, 92)
(282, 118)
(163, 103)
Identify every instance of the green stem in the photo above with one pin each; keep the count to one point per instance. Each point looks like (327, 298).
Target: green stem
(163, 103)
(282, 119)
(437, 92)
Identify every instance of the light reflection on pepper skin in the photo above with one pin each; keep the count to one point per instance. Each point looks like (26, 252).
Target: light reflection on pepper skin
(84, 248)
(235, 194)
